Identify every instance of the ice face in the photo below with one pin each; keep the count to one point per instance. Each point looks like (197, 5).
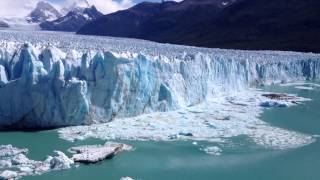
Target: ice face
(44, 86)
(38, 95)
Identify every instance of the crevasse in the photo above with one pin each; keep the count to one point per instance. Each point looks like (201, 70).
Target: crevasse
(46, 87)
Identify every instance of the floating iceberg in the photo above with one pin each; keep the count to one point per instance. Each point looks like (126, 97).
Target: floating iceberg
(126, 178)
(212, 150)
(48, 86)
(14, 163)
(96, 153)
(8, 175)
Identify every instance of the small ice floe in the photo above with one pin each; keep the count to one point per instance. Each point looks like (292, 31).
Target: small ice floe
(16, 164)
(195, 143)
(280, 100)
(180, 135)
(301, 84)
(283, 97)
(213, 150)
(269, 104)
(59, 161)
(9, 150)
(8, 175)
(304, 87)
(96, 153)
(316, 136)
(126, 178)
(280, 139)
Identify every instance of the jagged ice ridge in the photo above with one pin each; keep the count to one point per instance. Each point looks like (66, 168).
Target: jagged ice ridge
(59, 84)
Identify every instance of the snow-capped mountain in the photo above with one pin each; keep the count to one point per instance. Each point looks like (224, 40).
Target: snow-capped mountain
(234, 24)
(46, 17)
(79, 14)
(44, 11)
(75, 6)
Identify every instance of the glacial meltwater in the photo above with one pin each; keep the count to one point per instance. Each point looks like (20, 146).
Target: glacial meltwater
(237, 158)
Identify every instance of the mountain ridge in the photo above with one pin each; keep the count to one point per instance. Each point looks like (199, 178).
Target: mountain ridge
(73, 20)
(242, 24)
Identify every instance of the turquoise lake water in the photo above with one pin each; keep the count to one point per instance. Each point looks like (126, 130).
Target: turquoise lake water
(241, 159)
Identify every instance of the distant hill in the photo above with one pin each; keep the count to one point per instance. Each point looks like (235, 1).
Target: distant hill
(4, 24)
(240, 24)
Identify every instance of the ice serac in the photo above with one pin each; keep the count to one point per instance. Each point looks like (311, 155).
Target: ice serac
(46, 87)
(38, 96)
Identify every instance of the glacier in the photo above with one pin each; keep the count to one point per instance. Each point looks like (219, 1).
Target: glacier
(75, 80)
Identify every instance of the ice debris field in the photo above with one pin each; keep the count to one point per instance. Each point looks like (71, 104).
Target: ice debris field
(15, 163)
(114, 88)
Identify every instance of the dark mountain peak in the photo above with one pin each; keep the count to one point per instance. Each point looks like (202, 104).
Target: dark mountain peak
(146, 8)
(241, 24)
(92, 12)
(194, 3)
(138, 16)
(4, 24)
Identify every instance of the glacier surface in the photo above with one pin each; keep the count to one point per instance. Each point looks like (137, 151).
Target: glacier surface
(58, 80)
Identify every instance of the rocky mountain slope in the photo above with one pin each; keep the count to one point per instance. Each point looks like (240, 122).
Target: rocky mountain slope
(241, 24)
(73, 20)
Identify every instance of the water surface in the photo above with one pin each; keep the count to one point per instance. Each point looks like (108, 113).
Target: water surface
(241, 159)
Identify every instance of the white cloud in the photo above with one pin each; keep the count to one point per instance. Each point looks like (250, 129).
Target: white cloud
(21, 8)
(16, 8)
(105, 6)
(108, 6)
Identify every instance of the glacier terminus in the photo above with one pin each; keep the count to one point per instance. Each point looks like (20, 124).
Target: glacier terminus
(47, 82)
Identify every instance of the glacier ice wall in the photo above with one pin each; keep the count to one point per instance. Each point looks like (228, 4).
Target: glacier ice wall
(46, 87)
